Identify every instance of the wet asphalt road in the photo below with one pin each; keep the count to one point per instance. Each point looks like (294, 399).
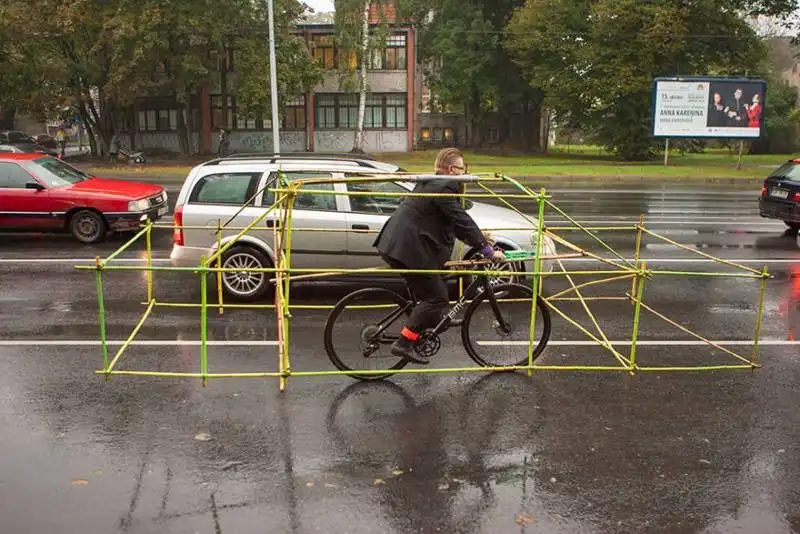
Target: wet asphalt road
(565, 452)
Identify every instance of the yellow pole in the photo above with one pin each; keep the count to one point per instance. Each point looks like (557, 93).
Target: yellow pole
(149, 263)
(638, 248)
(219, 273)
(765, 274)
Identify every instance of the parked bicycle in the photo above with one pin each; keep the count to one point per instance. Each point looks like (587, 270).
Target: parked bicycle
(494, 331)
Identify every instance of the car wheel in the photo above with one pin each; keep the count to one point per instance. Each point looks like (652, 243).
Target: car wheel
(792, 225)
(499, 267)
(88, 226)
(245, 286)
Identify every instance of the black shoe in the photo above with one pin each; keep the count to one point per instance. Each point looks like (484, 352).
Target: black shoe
(404, 348)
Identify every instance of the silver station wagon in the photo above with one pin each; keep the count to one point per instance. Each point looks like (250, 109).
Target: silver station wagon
(217, 190)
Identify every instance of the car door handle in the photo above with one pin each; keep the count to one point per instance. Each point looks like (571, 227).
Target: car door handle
(360, 227)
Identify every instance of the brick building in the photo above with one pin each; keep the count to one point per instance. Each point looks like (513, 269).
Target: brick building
(323, 120)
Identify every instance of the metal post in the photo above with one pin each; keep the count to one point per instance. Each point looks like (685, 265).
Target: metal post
(203, 317)
(741, 148)
(666, 151)
(273, 80)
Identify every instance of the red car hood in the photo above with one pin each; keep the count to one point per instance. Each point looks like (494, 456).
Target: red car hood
(120, 188)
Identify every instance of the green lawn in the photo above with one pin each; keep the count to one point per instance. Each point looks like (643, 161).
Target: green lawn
(589, 162)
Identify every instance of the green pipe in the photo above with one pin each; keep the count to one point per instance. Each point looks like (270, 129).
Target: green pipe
(124, 247)
(102, 312)
(636, 312)
(765, 275)
(203, 325)
(131, 336)
(590, 234)
(537, 282)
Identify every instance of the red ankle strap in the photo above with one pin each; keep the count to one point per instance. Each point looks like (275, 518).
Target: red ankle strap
(409, 334)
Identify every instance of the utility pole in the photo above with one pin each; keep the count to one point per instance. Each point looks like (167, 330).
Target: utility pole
(273, 79)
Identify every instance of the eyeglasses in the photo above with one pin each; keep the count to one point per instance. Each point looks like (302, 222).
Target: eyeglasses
(460, 168)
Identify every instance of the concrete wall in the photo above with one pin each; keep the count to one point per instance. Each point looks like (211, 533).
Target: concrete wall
(378, 81)
(261, 141)
(162, 140)
(375, 141)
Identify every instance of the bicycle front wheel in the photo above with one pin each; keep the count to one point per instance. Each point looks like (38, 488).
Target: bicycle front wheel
(502, 341)
(352, 338)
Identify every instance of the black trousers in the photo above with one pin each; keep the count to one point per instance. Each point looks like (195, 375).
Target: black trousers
(430, 291)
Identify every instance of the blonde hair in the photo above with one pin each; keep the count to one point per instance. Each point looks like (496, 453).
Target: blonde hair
(447, 157)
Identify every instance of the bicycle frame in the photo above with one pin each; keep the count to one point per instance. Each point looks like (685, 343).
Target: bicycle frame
(444, 323)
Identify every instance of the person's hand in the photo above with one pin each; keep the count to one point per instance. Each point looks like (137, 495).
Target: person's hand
(498, 256)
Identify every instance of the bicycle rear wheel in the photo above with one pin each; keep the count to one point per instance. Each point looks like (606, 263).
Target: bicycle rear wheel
(488, 344)
(350, 332)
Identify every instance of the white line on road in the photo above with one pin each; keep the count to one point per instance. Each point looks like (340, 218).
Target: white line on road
(655, 343)
(269, 343)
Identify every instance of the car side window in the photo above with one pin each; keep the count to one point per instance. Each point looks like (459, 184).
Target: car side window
(305, 201)
(15, 137)
(12, 176)
(382, 205)
(225, 188)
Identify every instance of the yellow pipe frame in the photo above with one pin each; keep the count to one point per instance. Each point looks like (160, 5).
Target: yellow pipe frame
(284, 274)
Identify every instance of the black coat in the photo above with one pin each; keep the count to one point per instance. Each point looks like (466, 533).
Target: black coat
(422, 231)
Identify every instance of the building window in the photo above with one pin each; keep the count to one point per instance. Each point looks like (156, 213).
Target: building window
(158, 120)
(322, 50)
(392, 56)
(216, 113)
(341, 111)
(395, 111)
(374, 112)
(325, 112)
(426, 134)
(448, 135)
(395, 53)
(348, 111)
(295, 115)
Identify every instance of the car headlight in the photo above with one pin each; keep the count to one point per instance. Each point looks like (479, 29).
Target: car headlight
(138, 205)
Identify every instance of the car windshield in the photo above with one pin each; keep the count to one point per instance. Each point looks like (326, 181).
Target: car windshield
(788, 171)
(56, 173)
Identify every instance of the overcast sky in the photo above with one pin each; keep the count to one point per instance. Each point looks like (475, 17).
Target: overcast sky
(320, 5)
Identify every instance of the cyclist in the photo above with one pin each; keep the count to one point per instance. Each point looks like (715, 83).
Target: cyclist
(419, 235)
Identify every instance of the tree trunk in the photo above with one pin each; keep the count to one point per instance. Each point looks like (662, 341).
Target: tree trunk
(358, 143)
(223, 82)
(187, 118)
(133, 125)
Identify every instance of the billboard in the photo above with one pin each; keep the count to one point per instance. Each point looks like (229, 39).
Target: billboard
(708, 107)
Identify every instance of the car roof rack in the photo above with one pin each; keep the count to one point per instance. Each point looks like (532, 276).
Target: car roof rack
(296, 155)
(359, 159)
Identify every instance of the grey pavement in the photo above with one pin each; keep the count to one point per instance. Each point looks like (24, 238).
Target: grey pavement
(713, 452)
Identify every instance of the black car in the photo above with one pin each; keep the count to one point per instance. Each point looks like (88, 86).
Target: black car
(11, 137)
(780, 194)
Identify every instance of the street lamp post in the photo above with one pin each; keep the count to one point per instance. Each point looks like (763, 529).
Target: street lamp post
(273, 79)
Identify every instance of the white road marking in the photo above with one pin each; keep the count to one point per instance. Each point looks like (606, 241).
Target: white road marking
(656, 343)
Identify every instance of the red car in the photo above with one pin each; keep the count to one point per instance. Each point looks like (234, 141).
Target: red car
(40, 193)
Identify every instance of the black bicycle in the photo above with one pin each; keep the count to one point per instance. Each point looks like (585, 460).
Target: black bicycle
(495, 330)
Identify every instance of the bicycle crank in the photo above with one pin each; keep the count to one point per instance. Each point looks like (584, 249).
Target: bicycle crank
(368, 342)
(428, 344)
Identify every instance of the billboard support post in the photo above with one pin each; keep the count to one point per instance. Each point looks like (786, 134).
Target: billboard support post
(666, 151)
(741, 148)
